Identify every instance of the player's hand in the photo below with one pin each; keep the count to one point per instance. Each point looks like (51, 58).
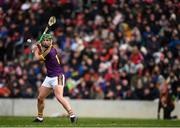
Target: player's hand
(33, 48)
(39, 48)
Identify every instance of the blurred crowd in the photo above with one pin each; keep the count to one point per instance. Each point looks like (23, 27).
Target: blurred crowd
(111, 49)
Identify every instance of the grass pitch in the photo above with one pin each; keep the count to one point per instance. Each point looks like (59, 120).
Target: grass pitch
(86, 122)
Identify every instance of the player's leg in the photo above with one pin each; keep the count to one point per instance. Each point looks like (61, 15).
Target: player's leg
(58, 91)
(43, 93)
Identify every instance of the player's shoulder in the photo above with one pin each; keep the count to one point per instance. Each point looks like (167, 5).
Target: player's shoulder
(57, 50)
(53, 50)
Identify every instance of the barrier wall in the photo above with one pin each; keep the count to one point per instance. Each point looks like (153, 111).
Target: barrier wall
(84, 108)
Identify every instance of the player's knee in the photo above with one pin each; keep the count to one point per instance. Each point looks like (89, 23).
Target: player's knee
(40, 99)
(59, 97)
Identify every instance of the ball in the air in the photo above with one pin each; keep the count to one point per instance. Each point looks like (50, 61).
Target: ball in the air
(29, 40)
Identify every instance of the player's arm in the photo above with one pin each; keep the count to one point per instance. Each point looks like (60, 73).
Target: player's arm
(36, 49)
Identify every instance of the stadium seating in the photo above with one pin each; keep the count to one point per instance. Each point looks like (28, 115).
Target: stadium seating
(111, 49)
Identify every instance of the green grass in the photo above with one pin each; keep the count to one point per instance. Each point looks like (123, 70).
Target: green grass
(86, 122)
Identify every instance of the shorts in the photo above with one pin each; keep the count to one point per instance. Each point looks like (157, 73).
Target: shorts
(51, 82)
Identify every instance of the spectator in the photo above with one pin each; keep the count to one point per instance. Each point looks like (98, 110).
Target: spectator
(166, 102)
(129, 48)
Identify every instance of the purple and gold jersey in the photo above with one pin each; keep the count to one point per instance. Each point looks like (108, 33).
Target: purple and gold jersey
(52, 62)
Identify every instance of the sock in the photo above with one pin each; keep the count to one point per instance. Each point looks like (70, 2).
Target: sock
(70, 112)
(40, 115)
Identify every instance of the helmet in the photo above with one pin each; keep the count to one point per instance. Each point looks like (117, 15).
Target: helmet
(46, 36)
